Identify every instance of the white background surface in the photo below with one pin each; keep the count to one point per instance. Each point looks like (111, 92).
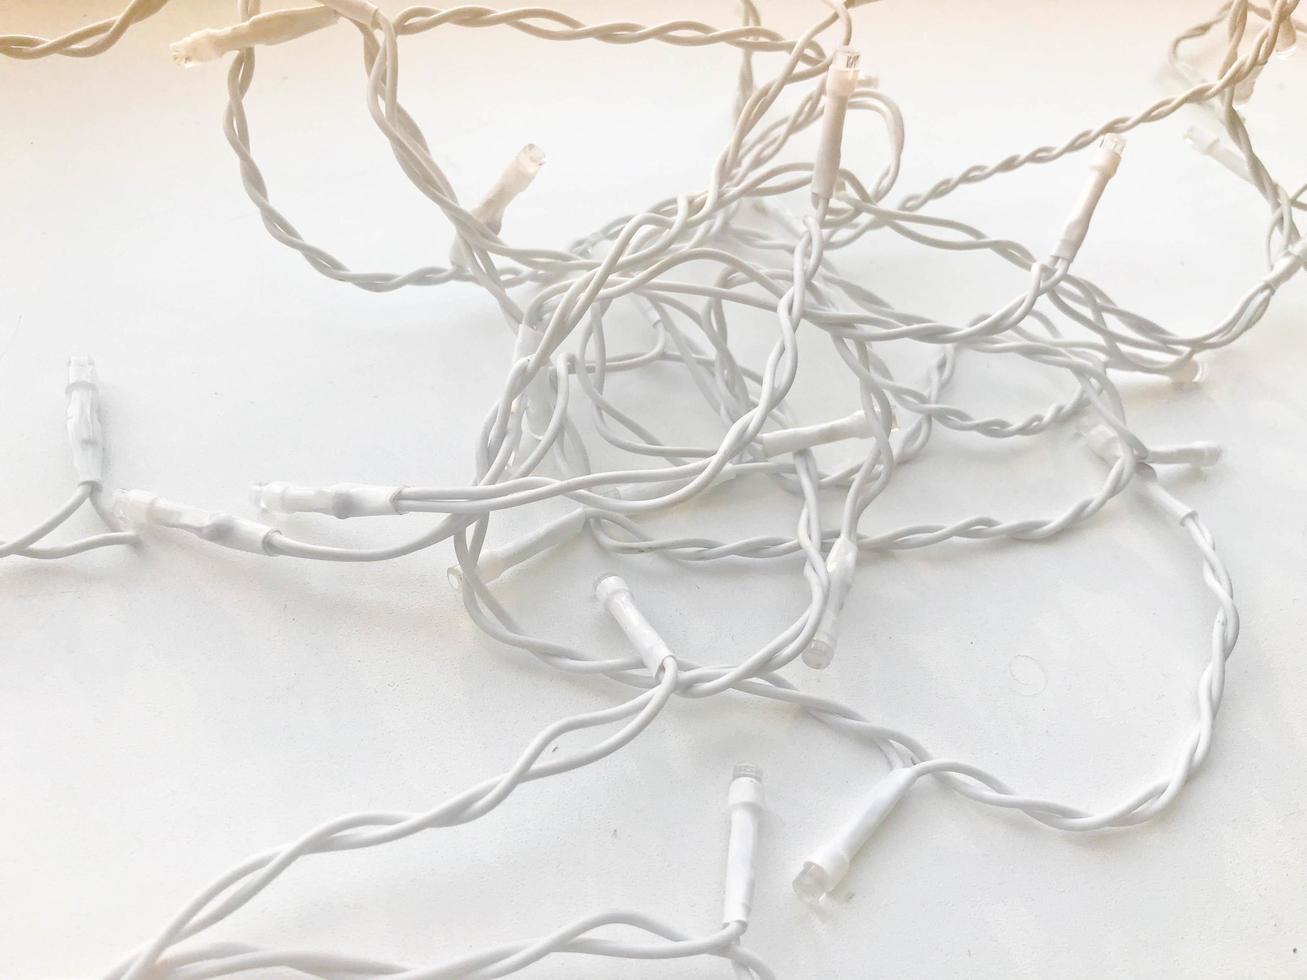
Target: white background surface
(165, 713)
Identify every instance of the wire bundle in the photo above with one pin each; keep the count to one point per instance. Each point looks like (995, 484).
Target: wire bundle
(560, 304)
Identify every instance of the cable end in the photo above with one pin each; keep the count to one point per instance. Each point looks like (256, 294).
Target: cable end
(812, 884)
(1190, 373)
(196, 48)
(843, 74)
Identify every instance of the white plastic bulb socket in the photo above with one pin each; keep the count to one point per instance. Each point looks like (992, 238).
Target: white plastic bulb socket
(841, 564)
(1188, 372)
(841, 82)
(746, 805)
(615, 594)
(139, 507)
(513, 181)
(516, 178)
(274, 27)
(1211, 145)
(85, 437)
(1102, 168)
(1191, 454)
(827, 866)
(342, 500)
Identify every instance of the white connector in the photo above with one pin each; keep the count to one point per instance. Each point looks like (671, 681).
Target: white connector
(841, 81)
(615, 594)
(783, 441)
(841, 564)
(85, 437)
(139, 507)
(496, 561)
(274, 27)
(1211, 145)
(828, 865)
(1288, 264)
(1102, 167)
(340, 500)
(746, 805)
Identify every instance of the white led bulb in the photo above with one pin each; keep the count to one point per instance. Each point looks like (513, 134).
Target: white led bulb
(85, 437)
(1188, 373)
(616, 597)
(1102, 167)
(841, 564)
(841, 82)
(1211, 145)
(746, 805)
(516, 178)
(827, 866)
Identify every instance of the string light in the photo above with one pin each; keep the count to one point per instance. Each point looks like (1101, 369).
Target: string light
(558, 304)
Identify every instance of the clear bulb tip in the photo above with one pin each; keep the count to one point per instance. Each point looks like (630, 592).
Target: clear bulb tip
(819, 654)
(745, 770)
(1191, 372)
(608, 583)
(531, 158)
(810, 884)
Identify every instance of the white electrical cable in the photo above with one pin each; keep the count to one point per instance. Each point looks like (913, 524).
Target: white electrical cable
(689, 268)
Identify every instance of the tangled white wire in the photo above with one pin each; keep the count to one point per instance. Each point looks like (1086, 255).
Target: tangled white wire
(531, 449)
